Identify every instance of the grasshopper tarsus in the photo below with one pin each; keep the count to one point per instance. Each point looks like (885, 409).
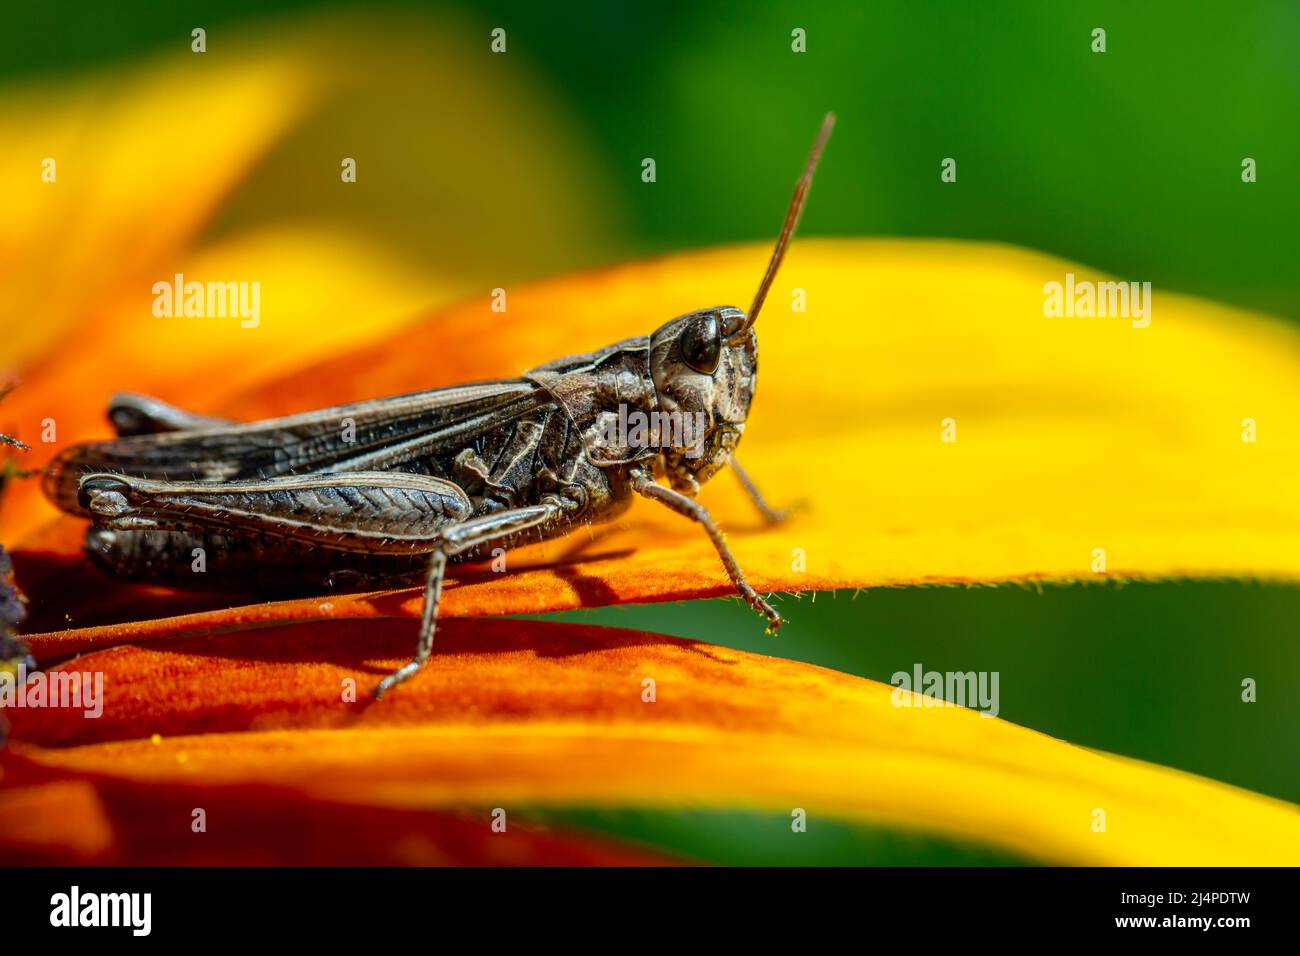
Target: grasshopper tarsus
(774, 618)
(394, 489)
(397, 677)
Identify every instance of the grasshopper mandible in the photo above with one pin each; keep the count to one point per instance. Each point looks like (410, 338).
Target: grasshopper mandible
(389, 491)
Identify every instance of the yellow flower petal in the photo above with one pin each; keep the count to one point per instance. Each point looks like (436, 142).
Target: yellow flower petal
(1072, 434)
(138, 170)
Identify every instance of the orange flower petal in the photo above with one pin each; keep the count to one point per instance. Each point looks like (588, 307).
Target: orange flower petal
(516, 713)
(53, 818)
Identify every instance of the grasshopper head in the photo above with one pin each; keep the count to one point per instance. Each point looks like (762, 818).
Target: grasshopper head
(704, 365)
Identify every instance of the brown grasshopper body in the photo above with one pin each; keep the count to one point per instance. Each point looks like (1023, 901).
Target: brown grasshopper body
(390, 491)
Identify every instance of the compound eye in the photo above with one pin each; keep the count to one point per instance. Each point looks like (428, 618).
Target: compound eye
(701, 344)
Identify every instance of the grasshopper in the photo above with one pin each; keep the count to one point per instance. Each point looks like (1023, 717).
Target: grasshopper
(388, 492)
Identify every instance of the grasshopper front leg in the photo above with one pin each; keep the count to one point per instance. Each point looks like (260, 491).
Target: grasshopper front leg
(644, 485)
(770, 515)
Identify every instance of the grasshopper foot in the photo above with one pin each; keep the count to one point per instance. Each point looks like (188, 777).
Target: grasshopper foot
(782, 515)
(399, 676)
(761, 605)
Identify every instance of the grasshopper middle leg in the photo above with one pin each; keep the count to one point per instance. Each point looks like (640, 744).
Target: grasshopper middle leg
(454, 540)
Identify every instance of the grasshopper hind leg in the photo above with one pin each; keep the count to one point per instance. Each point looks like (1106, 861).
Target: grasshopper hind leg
(283, 528)
(131, 414)
(194, 561)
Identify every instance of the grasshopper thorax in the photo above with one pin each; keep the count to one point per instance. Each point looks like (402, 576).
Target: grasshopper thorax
(704, 366)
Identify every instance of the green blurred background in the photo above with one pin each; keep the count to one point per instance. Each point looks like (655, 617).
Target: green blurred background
(1129, 161)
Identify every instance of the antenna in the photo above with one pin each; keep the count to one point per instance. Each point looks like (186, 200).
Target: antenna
(791, 220)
